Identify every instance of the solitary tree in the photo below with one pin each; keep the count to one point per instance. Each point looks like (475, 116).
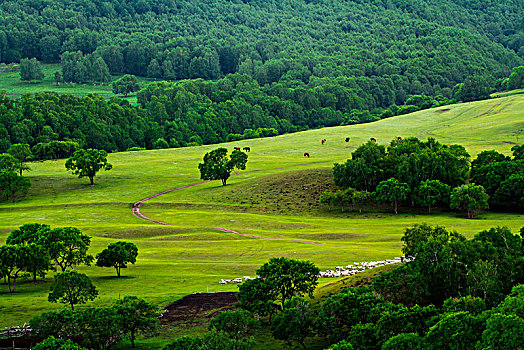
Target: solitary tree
(137, 317)
(72, 287)
(392, 191)
(469, 198)
(21, 152)
(88, 163)
(30, 70)
(125, 85)
(218, 166)
(117, 255)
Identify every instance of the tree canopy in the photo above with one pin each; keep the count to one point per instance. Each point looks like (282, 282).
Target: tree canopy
(88, 163)
(218, 165)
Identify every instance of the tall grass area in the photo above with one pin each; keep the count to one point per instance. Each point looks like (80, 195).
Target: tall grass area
(191, 255)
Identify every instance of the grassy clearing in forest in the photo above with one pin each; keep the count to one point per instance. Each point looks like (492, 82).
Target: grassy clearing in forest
(274, 198)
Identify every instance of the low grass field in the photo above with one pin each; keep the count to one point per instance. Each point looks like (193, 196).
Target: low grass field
(271, 207)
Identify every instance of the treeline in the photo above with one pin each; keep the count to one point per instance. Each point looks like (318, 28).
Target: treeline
(402, 46)
(191, 112)
(451, 293)
(412, 172)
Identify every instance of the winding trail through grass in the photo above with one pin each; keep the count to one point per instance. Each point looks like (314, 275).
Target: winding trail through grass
(140, 215)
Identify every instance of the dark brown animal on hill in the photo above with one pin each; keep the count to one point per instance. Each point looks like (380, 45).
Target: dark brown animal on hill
(237, 148)
(399, 138)
(373, 139)
(347, 139)
(306, 154)
(323, 141)
(247, 149)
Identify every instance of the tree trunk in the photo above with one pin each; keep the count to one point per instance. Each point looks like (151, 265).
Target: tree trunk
(34, 275)
(118, 271)
(303, 345)
(9, 283)
(132, 339)
(396, 208)
(224, 182)
(14, 285)
(429, 209)
(92, 180)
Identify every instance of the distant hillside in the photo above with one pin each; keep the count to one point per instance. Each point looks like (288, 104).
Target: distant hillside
(388, 48)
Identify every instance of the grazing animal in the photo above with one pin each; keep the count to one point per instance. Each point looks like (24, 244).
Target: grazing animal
(399, 138)
(373, 139)
(247, 149)
(237, 148)
(306, 154)
(323, 141)
(347, 139)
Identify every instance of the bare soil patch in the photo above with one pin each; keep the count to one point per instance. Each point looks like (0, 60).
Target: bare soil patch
(198, 308)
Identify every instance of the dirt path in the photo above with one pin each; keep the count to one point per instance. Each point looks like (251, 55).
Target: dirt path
(138, 214)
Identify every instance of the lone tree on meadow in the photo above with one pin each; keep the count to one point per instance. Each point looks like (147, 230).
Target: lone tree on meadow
(218, 165)
(125, 85)
(88, 163)
(469, 198)
(72, 287)
(117, 255)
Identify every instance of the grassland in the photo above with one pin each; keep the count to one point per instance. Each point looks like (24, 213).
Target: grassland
(274, 198)
(10, 81)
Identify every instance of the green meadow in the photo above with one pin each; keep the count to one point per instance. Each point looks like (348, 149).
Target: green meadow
(10, 81)
(273, 200)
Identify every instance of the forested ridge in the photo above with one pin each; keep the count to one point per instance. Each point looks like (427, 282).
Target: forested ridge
(244, 69)
(415, 46)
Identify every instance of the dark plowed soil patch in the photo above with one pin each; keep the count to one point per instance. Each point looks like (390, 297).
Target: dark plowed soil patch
(198, 308)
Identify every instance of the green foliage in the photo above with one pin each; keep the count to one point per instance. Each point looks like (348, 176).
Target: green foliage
(218, 165)
(71, 287)
(474, 88)
(160, 144)
(67, 247)
(392, 191)
(54, 149)
(469, 198)
(294, 323)
(516, 78)
(433, 192)
(125, 85)
(13, 262)
(136, 317)
(287, 278)
(473, 305)
(88, 163)
(256, 296)
(238, 324)
(53, 343)
(341, 345)
(117, 255)
(30, 70)
(22, 153)
(405, 341)
(12, 183)
(503, 332)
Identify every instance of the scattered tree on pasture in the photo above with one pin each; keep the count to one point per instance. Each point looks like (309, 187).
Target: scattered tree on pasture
(117, 255)
(67, 247)
(72, 287)
(12, 184)
(218, 165)
(88, 163)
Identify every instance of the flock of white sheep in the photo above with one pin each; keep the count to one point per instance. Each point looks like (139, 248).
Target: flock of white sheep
(340, 271)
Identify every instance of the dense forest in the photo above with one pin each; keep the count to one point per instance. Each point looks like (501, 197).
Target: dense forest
(403, 46)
